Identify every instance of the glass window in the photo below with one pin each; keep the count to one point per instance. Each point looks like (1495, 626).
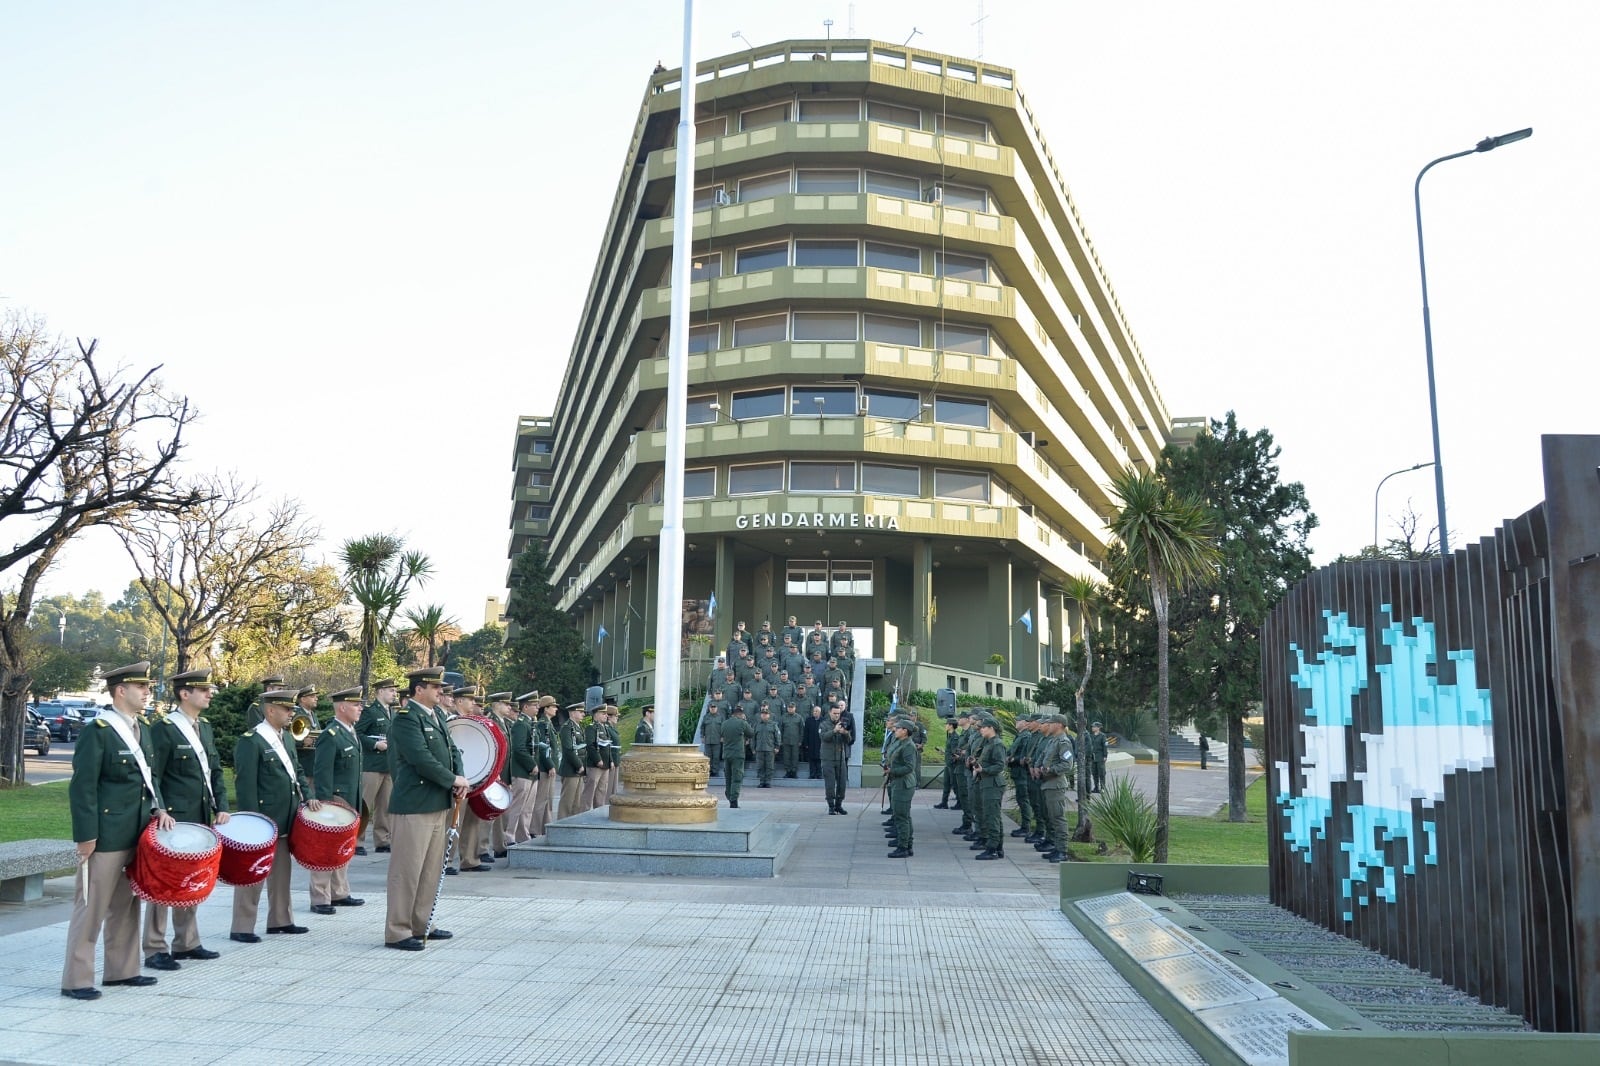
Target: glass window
(758, 117)
(955, 411)
(827, 181)
(540, 479)
(891, 480)
(881, 403)
(965, 196)
(651, 493)
(538, 512)
(707, 128)
(541, 447)
(965, 267)
(697, 410)
(760, 403)
(704, 338)
(971, 129)
(887, 329)
(763, 329)
(894, 257)
(824, 326)
(705, 197)
(699, 484)
(763, 186)
(967, 485)
(761, 257)
(826, 254)
(705, 266)
(973, 340)
(749, 480)
(894, 114)
(836, 400)
(830, 110)
(822, 477)
(900, 185)
(806, 577)
(852, 577)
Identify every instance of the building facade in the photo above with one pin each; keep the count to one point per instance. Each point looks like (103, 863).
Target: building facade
(909, 377)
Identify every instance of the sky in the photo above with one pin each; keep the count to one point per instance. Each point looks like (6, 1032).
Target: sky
(358, 236)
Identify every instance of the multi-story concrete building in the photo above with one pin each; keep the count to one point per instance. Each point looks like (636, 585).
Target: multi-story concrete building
(910, 379)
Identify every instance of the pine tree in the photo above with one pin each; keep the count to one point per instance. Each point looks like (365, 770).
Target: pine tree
(546, 652)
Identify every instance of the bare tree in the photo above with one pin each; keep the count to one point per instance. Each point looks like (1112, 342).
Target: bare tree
(80, 446)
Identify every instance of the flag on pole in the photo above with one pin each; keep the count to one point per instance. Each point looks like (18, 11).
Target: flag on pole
(711, 606)
(601, 638)
(1027, 620)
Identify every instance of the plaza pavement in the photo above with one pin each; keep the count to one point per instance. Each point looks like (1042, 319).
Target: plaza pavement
(846, 957)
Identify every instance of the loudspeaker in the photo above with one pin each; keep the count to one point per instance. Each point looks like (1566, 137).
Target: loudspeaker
(944, 701)
(593, 696)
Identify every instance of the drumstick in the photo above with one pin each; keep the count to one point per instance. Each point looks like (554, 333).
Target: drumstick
(449, 839)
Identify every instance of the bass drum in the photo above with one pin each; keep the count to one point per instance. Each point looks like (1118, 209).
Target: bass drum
(249, 841)
(492, 802)
(175, 867)
(483, 748)
(324, 839)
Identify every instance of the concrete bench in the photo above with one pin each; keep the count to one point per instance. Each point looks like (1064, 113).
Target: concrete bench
(23, 864)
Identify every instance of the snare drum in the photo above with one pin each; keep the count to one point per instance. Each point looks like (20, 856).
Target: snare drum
(493, 801)
(249, 840)
(324, 839)
(175, 867)
(483, 749)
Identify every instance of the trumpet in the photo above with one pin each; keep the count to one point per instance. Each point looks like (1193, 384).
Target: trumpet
(303, 727)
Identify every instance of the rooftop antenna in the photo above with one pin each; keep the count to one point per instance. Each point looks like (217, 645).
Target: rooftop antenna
(827, 26)
(740, 34)
(982, 18)
(852, 31)
(914, 33)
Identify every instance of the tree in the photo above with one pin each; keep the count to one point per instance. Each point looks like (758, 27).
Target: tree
(209, 569)
(546, 651)
(305, 615)
(379, 572)
(481, 658)
(1262, 526)
(430, 627)
(1085, 592)
(1167, 546)
(80, 446)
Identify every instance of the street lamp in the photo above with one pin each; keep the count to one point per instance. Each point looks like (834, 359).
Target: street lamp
(1379, 489)
(1488, 144)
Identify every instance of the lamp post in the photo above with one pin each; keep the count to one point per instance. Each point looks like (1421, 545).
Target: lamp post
(1386, 477)
(1488, 144)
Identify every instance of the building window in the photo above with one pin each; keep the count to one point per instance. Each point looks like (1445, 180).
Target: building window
(886, 329)
(540, 479)
(826, 254)
(700, 484)
(970, 129)
(755, 479)
(955, 411)
(705, 266)
(965, 197)
(763, 186)
(822, 477)
(708, 128)
(902, 406)
(852, 577)
(759, 117)
(697, 410)
(762, 329)
(761, 257)
(964, 267)
(702, 338)
(894, 114)
(830, 110)
(541, 447)
(538, 512)
(827, 181)
(969, 485)
(836, 401)
(759, 403)
(705, 197)
(824, 326)
(970, 340)
(651, 493)
(806, 577)
(884, 184)
(883, 480)
(894, 257)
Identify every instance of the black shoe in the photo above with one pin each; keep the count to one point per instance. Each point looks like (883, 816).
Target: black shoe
(162, 961)
(440, 934)
(941, 806)
(320, 908)
(477, 869)
(956, 807)
(486, 856)
(500, 854)
(987, 855)
(842, 810)
(197, 953)
(1054, 856)
(978, 846)
(81, 993)
(287, 929)
(1044, 845)
(382, 849)
(884, 811)
(410, 943)
(245, 938)
(360, 850)
(959, 830)
(349, 901)
(733, 804)
(142, 980)
(451, 870)
(1019, 832)
(900, 853)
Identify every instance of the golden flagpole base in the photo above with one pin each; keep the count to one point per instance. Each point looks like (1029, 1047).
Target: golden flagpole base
(664, 784)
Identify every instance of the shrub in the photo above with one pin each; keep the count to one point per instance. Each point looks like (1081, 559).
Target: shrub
(1126, 817)
(1256, 734)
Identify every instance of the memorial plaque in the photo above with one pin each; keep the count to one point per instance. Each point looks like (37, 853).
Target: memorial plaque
(1144, 941)
(1115, 909)
(1258, 1032)
(1216, 958)
(1197, 984)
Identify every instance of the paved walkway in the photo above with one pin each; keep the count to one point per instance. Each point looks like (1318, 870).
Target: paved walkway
(847, 957)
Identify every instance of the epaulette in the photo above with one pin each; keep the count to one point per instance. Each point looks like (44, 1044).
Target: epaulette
(102, 723)
(403, 710)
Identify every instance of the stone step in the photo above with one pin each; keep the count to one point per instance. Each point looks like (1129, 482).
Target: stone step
(739, 844)
(733, 831)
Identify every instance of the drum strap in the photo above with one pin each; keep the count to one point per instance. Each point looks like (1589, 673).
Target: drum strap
(275, 741)
(186, 727)
(129, 732)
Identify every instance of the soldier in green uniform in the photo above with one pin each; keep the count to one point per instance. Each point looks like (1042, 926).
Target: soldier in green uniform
(523, 758)
(764, 742)
(1097, 758)
(902, 778)
(990, 771)
(571, 767)
(1054, 770)
(711, 730)
(546, 744)
(336, 777)
(252, 716)
(269, 781)
(500, 710)
(593, 770)
(791, 729)
(1037, 756)
(376, 784)
(735, 731)
(305, 722)
(836, 740)
(948, 789)
(471, 842)
(1017, 767)
(188, 774)
(113, 795)
(614, 752)
(646, 731)
(426, 769)
(966, 748)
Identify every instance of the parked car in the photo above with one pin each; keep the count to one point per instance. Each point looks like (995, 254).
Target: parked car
(38, 735)
(64, 723)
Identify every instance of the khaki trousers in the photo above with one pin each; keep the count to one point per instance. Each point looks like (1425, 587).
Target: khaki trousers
(571, 797)
(247, 898)
(185, 929)
(109, 903)
(593, 781)
(612, 774)
(520, 816)
(375, 789)
(418, 841)
(497, 832)
(469, 845)
(544, 794)
(329, 885)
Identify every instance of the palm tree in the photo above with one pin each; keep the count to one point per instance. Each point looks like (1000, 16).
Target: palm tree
(430, 626)
(1167, 543)
(378, 574)
(1085, 592)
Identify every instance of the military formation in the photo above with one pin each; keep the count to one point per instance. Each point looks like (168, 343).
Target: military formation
(1039, 764)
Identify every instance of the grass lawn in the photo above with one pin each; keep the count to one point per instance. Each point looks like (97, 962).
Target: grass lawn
(41, 812)
(1213, 840)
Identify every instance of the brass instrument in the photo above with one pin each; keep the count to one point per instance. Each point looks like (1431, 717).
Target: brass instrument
(303, 728)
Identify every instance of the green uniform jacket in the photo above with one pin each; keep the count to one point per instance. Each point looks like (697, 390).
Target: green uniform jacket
(424, 763)
(262, 783)
(544, 742)
(1055, 763)
(903, 766)
(176, 770)
(711, 725)
(992, 760)
(572, 750)
(734, 732)
(109, 805)
(523, 758)
(336, 770)
(835, 746)
(1097, 746)
(645, 733)
(591, 751)
(764, 736)
(791, 727)
(371, 727)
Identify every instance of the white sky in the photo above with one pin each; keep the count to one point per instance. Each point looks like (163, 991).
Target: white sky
(371, 225)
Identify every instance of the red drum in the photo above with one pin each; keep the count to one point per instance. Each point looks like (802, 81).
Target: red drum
(249, 840)
(175, 867)
(324, 839)
(492, 802)
(483, 747)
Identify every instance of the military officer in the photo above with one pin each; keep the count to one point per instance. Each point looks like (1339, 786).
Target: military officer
(252, 717)
(336, 777)
(376, 784)
(188, 773)
(547, 744)
(764, 742)
(794, 632)
(269, 781)
(500, 710)
(113, 795)
(306, 700)
(646, 732)
(470, 844)
(523, 759)
(791, 730)
(428, 785)
(902, 779)
(1054, 770)
(1017, 767)
(991, 785)
(948, 789)
(735, 731)
(614, 752)
(711, 732)
(593, 771)
(1097, 758)
(835, 740)
(572, 763)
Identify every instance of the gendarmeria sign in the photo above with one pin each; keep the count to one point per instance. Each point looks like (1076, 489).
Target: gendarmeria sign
(817, 520)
